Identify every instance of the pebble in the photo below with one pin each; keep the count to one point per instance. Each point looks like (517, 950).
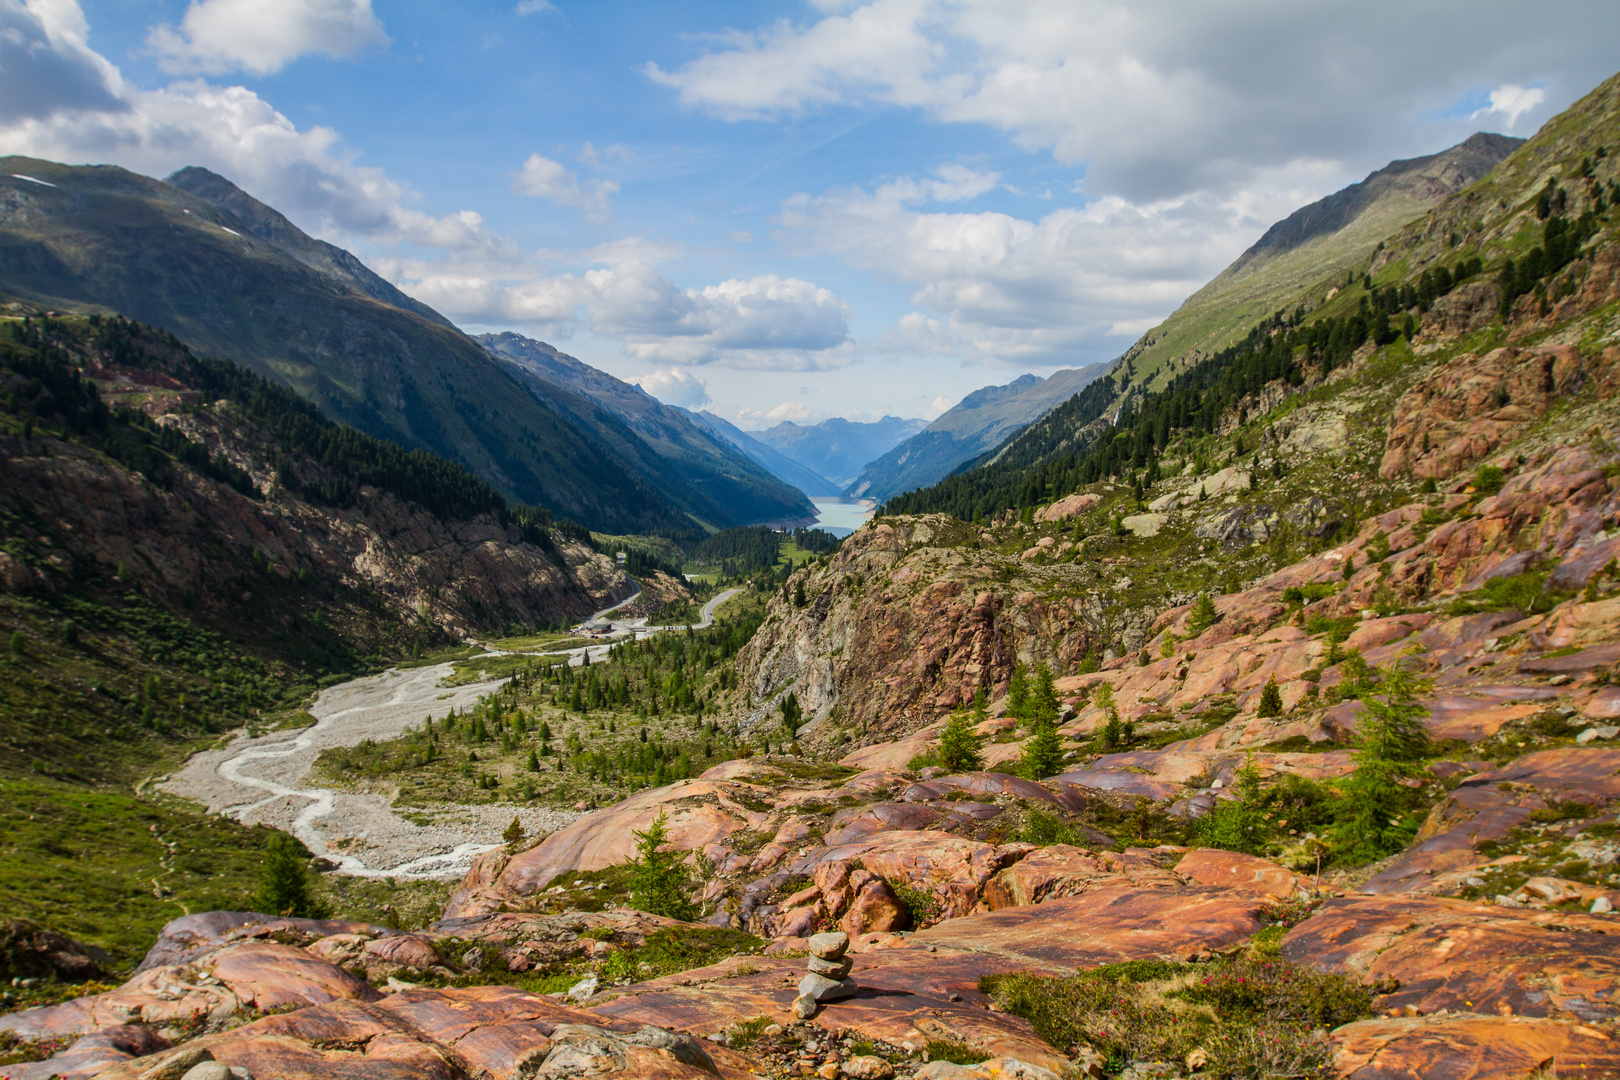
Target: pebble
(830, 946)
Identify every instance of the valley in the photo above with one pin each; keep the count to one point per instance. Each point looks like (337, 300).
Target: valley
(1248, 707)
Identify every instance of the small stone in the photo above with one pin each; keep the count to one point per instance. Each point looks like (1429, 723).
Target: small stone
(829, 946)
(828, 1071)
(472, 959)
(823, 989)
(773, 1030)
(1606, 731)
(868, 1067)
(584, 988)
(1196, 1060)
(804, 1007)
(1602, 906)
(833, 969)
(208, 1070)
(240, 1073)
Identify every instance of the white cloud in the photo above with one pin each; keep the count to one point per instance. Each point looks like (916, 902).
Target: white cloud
(674, 386)
(1155, 98)
(537, 7)
(768, 322)
(543, 178)
(1511, 101)
(938, 407)
(46, 68)
(997, 288)
(263, 36)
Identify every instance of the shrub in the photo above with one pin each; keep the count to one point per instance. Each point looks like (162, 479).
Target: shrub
(955, 1052)
(1488, 480)
(921, 905)
(1279, 990)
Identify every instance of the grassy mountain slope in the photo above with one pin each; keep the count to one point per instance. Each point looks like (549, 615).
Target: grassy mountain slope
(703, 475)
(1294, 254)
(837, 448)
(780, 465)
(974, 426)
(102, 238)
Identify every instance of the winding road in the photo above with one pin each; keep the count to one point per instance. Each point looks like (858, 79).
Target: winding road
(263, 780)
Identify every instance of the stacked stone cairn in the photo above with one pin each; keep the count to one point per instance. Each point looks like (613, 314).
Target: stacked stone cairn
(829, 974)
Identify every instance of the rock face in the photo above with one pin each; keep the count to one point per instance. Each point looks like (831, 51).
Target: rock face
(192, 540)
(1479, 1047)
(1456, 417)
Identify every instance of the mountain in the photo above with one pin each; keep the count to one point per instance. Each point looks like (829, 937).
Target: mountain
(780, 465)
(837, 448)
(233, 278)
(976, 425)
(706, 476)
(1298, 251)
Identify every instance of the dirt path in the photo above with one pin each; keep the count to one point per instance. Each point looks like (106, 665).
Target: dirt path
(264, 780)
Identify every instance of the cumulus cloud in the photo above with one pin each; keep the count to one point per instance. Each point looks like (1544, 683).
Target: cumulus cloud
(674, 386)
(1511, 102)
(938, 407)
(543, 178)
(263, 36)
(1155, 98)
(77, 108)
(767, 322)
(999, 288)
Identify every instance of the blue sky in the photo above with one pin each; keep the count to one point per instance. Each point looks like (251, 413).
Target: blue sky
(789, 210)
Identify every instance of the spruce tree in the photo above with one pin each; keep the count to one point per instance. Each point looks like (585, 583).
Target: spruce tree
(1018, 693)
(1271, 703)
(1237, 824)
(658, 882)
(959, 744)
(1043, 752)
(1203, 615)
(514, 833)
(1370, 822)
(284, 880)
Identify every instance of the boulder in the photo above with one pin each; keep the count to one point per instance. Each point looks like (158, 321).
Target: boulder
(875, 910)
(29, 950)
(93, 1055)
(1067, 507)
(1062, 870)
(1245, 873)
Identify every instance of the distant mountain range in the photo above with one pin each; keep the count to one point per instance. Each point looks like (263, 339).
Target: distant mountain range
(837, 448)
(232, 277)
(975, 426)
(785, 468)
(704, 474)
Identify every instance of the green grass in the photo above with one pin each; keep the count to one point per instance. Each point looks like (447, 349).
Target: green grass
(538, 643)
(91, 864)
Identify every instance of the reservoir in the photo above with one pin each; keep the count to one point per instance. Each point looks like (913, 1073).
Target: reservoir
(842, 516)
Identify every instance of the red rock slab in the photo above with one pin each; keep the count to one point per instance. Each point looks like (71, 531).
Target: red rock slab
(273, 976)
(1062, 870)
(392, 1056)
(1472, 1047)
(1578, 625)
(1108, 925)
(1245, 873)
(700, 812)
(1470, 718)
(1452, 954)
(896, 754)
(1598, 656)
(980, 783)
(91, 1055)
(859, 822)
(1603, 705)
(904, 996)
(184, 939)
(1375, 632)
(255, 973)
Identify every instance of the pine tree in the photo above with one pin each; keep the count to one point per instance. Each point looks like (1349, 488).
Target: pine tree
(534, 761)
(1043, 752)
(514, 833)
(284, 880)
(1043, 699)
(1271, 703)
(1372, 820)
(1237, 824)
(959, 744)
(1203, 615)
(1018, 693)
(658, 882)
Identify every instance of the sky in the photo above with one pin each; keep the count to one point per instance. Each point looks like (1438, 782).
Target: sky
(794, 210)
